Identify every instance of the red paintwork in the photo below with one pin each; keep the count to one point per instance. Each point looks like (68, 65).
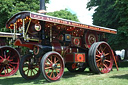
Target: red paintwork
(57, 47)
(69, 57)
(30, 45)
(76, 41)
(79, 57)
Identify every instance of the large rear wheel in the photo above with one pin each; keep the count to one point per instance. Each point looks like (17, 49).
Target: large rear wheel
(100, 57)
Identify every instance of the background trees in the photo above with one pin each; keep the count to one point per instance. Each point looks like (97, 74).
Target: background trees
(65, 14)
(112, 14)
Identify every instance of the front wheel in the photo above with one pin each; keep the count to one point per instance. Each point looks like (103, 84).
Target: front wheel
(52, 66)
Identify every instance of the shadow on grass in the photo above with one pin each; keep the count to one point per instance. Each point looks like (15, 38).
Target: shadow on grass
(68, 74)
(19, 80)
(120, 76)
(11, 80)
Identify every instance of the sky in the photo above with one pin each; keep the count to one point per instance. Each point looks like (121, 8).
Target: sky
(77, 7)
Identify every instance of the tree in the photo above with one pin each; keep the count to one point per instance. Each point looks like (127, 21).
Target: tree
(112, 14)
(9, 7)
(65, 14)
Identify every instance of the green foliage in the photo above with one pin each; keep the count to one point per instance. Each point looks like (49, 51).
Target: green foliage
(112, 14)
(9, 7)
(65, 14)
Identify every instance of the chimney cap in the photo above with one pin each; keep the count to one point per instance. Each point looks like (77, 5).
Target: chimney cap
(42, 11)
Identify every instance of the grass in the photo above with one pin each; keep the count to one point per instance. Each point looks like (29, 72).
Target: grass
(86, 78)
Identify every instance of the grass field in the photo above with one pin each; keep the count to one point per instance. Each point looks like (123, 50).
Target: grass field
(86, 78)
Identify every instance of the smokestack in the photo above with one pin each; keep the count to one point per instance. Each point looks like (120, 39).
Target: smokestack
(42, 7)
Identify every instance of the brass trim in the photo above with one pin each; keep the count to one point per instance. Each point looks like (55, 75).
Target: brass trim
(53, 48)
(28, 27)
(14, 37)
(77, 50)
(23, 28)
(70, 50)
(62, 50)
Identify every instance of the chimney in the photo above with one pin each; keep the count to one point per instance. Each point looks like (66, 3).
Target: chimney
(42, 7)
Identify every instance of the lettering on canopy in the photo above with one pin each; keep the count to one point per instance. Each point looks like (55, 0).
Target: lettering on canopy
(71, 23)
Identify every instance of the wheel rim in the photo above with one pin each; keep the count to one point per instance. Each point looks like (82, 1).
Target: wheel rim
(30, 68)
(9, 61)
(53, 67)
(103, 58)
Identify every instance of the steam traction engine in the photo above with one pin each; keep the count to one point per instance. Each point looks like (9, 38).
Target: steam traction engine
(57, 43)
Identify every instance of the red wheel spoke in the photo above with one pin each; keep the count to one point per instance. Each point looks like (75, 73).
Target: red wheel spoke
(47, 64)
(106, 54)
(105, 66)
(98, 60)
(56, 72)
(1, 57)
(98, 56)
(107, 61)
(54, 59)
(14, 63)
(51, 73)
(48, 67)
(11, 60)
(98, 51)
(50, 61)
(10, 68)
(8, 57)
(48, 71)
